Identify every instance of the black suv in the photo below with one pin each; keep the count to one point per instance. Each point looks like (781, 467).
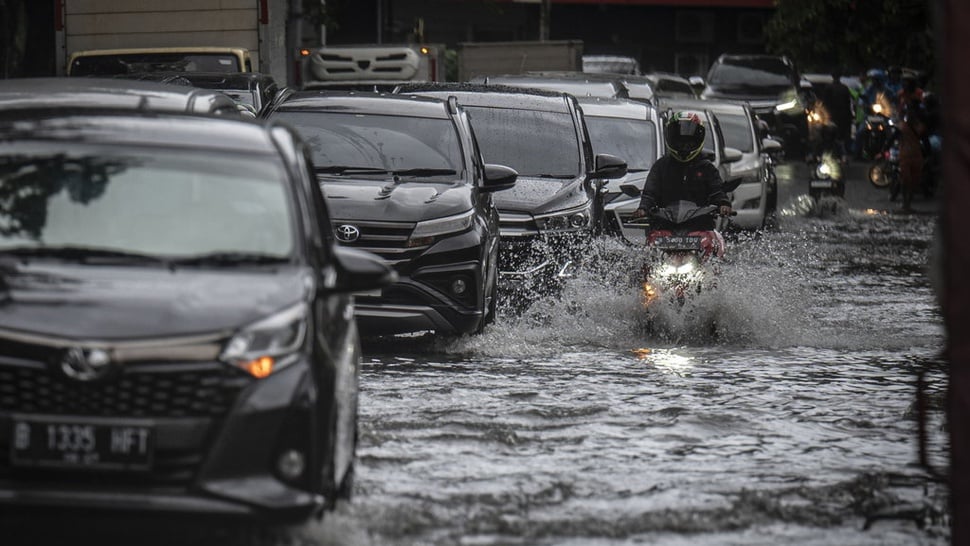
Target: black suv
(771, 85)
(549, 218)
(175, 325)
(404, 179)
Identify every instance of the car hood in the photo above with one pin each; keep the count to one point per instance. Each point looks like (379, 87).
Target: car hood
(540, 195)
(360, 199)
(97, 303)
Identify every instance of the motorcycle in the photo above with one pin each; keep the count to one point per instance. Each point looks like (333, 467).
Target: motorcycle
(826, 165)
(683, 256)
(884, 171)
(878, 129)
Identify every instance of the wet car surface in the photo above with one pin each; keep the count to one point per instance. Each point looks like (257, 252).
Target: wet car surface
(568, 425)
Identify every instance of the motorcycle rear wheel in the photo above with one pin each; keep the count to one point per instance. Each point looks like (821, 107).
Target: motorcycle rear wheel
(879, 174)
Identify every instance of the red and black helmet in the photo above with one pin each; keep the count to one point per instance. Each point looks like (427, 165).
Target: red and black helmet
(684, 135)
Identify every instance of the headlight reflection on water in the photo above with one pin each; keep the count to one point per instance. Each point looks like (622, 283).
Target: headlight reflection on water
(665, 360)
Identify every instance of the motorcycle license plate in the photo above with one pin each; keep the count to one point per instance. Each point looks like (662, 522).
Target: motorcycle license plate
(875, 120)
(678, 242)
(74, 444)
(822, 184)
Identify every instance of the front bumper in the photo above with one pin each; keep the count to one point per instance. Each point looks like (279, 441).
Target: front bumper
(749, 202)
(217, 435)
(424, 297)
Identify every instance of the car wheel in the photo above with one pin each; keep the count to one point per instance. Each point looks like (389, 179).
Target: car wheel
(346, 488)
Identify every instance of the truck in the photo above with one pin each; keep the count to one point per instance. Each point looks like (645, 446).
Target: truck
(478, 59)
(236, 32)
(381, 66)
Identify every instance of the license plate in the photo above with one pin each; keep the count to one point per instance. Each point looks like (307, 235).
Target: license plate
(822, 184)
(67, 443)
(678, 242)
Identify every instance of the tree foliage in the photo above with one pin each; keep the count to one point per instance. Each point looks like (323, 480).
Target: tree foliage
(853, 34)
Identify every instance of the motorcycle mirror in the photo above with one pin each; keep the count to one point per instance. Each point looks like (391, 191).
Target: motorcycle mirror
(630, 189)
(732, 184)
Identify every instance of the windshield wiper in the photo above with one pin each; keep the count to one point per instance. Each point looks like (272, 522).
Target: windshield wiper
(345, 169)
(231, 258)
(82, 254)
(425, 172)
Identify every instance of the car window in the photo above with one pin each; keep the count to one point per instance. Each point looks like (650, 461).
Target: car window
(635, 141)
(172, 203)
(736, 129)
(378, 141)
(108, 65)
(531, 142)
(754, 72)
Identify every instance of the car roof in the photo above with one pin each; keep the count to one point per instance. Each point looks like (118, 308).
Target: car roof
(579, 84)
(716, 106)
(353, 102)
(617, 108)
(136, 128)
(493, 95)
(83, 92)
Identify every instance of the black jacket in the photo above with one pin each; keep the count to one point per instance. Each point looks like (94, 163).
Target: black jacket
(670, 181)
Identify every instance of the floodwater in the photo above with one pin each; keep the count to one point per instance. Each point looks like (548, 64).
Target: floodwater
(794, 422)
(571, 425)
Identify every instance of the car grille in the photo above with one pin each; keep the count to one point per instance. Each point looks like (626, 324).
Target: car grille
(144, 390)
(194, 397)
(386, 239)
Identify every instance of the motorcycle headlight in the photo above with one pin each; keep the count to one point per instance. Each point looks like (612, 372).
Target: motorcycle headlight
(823, 171)
(877, 108)
(269, 344)
(425, 232)
(567, 220)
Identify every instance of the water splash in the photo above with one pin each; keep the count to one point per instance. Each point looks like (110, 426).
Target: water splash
(806, 284)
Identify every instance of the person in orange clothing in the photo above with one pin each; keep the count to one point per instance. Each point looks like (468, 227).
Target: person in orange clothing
(911, 129)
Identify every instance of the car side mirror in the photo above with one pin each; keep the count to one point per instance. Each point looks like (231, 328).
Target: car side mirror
(499, 177)
(770, 146)
(355, 270)
(609, 166)
(732, 155)
(697, 83)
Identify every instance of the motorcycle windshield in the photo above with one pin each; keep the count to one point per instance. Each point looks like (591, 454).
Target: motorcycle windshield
(683, 212)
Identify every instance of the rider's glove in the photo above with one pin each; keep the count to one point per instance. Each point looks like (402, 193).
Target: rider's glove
(725, 210)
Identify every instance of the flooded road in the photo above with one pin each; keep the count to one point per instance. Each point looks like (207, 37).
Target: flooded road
(571, 425)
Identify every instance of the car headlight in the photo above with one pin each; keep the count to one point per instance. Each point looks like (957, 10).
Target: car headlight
(425, 232)
(566, 220)
(791, 104)
(269, 344)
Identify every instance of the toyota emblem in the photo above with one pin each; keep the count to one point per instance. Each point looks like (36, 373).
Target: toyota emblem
(347, 233)
(85, 365)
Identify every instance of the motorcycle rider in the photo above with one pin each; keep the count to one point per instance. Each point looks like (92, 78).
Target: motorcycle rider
(682, 174)
(838, 104)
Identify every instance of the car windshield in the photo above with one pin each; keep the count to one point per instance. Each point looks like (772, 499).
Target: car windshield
(158, 202)
(766, 72)
(380, 143)
(736, 129)
(534, 143)
(110, 65)
(633, 140)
